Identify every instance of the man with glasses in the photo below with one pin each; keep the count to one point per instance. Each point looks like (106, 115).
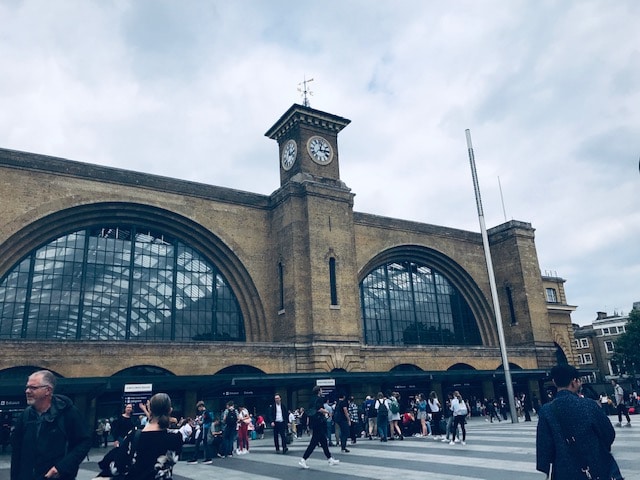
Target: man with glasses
(50, 439)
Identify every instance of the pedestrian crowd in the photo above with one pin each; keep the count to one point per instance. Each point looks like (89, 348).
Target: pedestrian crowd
(147, 447)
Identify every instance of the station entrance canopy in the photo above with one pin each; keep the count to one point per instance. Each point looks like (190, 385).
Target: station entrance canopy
(95, 386)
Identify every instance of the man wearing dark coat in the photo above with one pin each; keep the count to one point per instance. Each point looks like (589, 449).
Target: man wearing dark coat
(572, 416)
(280, 422)
(50, 439)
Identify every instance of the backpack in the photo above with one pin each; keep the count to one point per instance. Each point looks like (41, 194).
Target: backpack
(371, 409)
(462, 409)
(232, 418)
(382, 408)
(394, 406)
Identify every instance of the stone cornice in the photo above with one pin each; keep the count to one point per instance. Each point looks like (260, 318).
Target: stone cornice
(86, 171)
(301, 115)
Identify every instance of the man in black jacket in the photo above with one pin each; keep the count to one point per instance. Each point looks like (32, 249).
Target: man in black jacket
(279, 422)
(50, 439)
(319, 431)
(574, 436)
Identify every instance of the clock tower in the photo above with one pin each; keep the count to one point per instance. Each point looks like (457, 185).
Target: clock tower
(308, 143)
(313, 243)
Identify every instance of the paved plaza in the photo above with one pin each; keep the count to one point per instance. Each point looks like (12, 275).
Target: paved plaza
(497, 451)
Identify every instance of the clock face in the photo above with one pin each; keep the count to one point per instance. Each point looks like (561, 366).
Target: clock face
(320, 150)
(289, 153)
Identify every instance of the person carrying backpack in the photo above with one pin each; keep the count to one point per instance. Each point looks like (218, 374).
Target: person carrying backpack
(382, 419)
(230, 432)
(369, 407)
(394, 416)
(460, 412)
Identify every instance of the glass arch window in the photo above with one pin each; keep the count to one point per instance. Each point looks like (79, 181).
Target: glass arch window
(118, 283)
(405, 303)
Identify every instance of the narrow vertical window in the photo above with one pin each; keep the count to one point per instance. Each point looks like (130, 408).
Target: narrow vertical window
(512, 310)
(332, 281)
(281, 285)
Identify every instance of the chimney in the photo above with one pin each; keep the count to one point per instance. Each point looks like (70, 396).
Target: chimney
(601, 315)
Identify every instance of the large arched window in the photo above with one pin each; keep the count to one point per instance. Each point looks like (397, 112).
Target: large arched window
(405, 303)
(117, 282)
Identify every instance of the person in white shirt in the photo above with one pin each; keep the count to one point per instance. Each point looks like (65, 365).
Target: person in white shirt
(435, 409)
(621, 408)
(243, 430)
(292, 423)
(460, 412)
(279, 420)
(186, 430)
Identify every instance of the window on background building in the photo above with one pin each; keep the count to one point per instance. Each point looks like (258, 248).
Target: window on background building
(117, 282)
(333, 285)
(608, 346)
(552, 295)
(605, 331)
(615, 369)
(585, 358)
(281, 286)
(589, 378)
(584, 343)
(512, 310)
(406, 303)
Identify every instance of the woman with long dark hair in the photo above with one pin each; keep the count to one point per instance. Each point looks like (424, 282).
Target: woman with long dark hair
(157, 450)
(149, 453)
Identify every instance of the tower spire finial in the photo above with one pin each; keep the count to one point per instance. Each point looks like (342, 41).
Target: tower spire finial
(305, 92)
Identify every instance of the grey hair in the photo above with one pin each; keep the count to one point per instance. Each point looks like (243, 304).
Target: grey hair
(48, 378)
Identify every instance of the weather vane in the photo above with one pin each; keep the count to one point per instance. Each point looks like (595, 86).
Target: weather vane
(303, 88)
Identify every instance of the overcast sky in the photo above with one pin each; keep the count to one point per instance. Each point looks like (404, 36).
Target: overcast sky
(549, 89)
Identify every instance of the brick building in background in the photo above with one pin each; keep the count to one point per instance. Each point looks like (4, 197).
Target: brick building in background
(111, 277)
(595, 348)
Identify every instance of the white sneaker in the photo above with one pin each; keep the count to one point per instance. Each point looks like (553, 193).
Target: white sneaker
(445, 439)
(333, 461)
(457, 440)
(618, 424)
(303, 463)
(463, 442)
(452, 442)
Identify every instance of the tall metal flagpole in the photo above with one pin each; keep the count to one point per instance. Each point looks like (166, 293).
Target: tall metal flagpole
(492, 282)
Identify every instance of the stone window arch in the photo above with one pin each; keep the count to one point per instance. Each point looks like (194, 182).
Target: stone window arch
(414, 295)
(161, 230)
